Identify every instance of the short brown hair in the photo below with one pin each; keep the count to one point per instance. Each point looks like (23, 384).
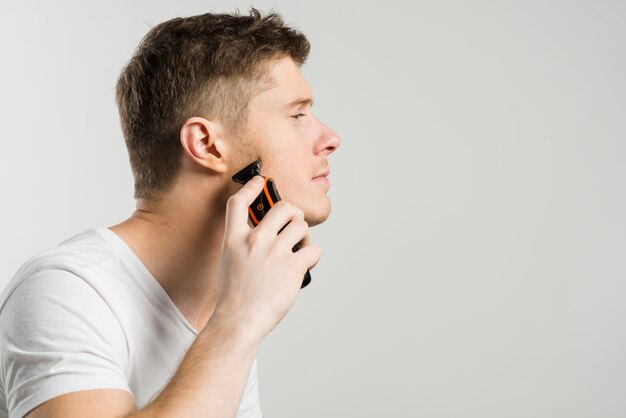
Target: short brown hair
(209, 65)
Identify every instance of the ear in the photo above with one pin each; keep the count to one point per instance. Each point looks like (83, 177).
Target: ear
(203, 143)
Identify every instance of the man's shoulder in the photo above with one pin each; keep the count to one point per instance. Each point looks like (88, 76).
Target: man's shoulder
(58, 332)
(60, 291)
(86, 249)
(77, 257)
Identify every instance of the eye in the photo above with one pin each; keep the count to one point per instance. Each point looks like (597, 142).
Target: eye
(298, 116)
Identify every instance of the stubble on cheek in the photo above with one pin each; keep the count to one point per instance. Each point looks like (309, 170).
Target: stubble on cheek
(245, 153)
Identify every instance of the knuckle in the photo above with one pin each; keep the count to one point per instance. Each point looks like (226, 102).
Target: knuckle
(233, 201)
(255, 238)
(252, 239)
(301, 223)
(282, 205)
(315, 253)
(296, 212)
(230, 245)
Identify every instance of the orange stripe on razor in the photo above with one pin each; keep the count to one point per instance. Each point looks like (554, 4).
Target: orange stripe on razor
(253, 217)
(267, 193)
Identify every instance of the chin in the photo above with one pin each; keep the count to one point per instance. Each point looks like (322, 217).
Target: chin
(318, 215)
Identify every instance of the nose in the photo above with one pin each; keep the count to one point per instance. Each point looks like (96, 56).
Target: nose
(328, 140)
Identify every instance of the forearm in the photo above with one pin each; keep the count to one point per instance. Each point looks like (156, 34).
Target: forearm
(211, 379)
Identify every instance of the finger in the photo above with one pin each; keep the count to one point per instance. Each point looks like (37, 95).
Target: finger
(237, 205)
(279, 216)
(310, 255)
(294, 233)
(305, 241)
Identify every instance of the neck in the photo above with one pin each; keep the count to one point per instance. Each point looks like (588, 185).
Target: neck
(179, 240)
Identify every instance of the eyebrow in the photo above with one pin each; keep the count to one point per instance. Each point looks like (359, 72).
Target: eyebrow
(302, 101)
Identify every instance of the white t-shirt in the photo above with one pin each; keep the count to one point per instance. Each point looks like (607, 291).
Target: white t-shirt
(87, 314)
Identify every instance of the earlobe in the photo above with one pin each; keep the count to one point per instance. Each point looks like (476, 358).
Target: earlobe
(202, 143)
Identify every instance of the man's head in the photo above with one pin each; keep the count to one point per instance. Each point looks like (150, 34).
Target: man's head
(200, 82)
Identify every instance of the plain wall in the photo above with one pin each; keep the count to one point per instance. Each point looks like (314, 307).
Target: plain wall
(475, 261)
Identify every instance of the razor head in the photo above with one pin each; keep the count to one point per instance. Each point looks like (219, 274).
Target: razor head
(246, 173)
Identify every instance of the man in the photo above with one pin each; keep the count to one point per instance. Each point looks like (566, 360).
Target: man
(162, 314)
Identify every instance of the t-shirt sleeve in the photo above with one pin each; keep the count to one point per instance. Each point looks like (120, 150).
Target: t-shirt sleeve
(57, 336)
(250, 406)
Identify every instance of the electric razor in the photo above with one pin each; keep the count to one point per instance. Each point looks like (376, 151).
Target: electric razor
(264, 201)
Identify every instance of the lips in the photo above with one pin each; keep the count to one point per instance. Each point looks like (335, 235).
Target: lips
(324, 174)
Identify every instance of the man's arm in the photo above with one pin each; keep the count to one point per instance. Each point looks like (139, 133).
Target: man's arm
(209, 382)
(212, 377)
(261, 277)
(100, 403)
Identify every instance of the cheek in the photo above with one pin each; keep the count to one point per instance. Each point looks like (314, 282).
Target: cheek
(291, 170)
(287, 152)
(286, 156)
(288, 168)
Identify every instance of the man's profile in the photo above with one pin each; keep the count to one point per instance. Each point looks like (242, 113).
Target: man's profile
(163, 313)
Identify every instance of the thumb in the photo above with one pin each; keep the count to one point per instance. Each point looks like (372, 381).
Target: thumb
(237, 205)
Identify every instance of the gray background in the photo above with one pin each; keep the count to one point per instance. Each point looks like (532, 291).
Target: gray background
(475, 261)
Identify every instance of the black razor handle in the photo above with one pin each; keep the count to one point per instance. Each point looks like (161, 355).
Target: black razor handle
(264, 202)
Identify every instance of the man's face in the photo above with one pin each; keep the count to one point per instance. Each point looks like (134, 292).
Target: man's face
(292, 144)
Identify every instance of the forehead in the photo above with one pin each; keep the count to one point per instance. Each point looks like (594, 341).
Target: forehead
(287, 86)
